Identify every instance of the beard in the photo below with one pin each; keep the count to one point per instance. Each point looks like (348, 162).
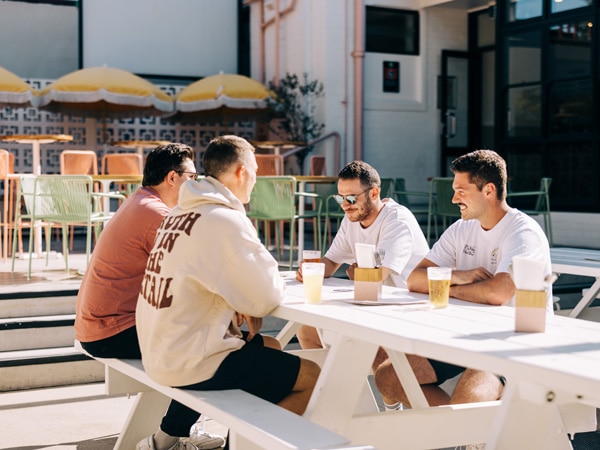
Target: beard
(364, 212)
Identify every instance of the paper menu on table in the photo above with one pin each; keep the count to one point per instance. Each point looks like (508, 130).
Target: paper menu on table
(365, 255)
(528, 274)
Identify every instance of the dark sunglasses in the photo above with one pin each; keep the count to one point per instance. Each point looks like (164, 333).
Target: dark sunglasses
(351, 199)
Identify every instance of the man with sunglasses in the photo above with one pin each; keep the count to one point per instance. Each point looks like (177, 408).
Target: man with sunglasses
(106, 302)
(390, 227)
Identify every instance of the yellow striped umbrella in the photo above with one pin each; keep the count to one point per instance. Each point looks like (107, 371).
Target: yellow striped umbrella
(222, 96)
(104, 92)
(14, 92)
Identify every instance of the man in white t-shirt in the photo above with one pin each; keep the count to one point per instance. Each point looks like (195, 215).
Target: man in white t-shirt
(390, 227)
(480, 248)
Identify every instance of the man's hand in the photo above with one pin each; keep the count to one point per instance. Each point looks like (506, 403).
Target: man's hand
(350, 271)
(254, 324)
(299, 274)
(470, 276)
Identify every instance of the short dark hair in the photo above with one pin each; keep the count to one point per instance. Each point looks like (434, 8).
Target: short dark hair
(223, 152)
(483, 167)
(366, 173)
(163, 159)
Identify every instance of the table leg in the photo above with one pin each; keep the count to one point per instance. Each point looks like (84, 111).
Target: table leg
(301, 206)
(105, 201)
(36, 168)
(523, 409)
(341, 383)
(587, 299)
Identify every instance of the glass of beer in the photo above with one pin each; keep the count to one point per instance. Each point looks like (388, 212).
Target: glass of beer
(439, 285)
(311, 256)
(312, 277)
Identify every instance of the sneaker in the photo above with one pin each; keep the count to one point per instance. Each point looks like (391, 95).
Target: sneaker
(206, 441)
(148, 444)
(475, 447)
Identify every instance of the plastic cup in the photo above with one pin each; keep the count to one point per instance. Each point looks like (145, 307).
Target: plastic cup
(311, 256)
(312, 276)
(439, 285)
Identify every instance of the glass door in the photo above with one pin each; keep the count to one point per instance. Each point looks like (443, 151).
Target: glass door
(453, 101)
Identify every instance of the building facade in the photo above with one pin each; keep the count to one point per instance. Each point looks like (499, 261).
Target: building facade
(409, 84)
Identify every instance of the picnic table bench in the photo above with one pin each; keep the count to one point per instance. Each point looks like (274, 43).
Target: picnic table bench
(254, 423)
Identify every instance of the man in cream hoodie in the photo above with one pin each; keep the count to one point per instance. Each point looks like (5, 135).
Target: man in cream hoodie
(208, 264)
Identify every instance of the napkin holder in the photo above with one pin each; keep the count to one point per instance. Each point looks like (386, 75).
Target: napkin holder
(368, 283)
(530, 311)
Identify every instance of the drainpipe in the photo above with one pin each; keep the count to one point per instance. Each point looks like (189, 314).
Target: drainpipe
(263, 26)
(359, 55)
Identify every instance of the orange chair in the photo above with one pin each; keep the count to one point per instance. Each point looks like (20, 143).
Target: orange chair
(318, 165)
(123, 164)
(7, 166)
(269, 164)
(78, 162)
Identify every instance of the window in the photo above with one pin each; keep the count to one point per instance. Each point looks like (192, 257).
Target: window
(524, 9)
(392, 31)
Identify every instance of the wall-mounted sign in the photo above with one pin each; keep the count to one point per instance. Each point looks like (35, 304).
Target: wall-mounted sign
(391, 76)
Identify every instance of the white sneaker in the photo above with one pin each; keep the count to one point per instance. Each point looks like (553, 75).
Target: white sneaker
(148, 444)
(475, 447)
(206, 441)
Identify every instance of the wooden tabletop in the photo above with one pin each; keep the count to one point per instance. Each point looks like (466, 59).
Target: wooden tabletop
(141, 143)
(41, 138)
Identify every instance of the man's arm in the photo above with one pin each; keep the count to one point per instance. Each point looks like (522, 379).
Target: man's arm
(496, 290)
(475, 285)
(417, 280)
(330, 268)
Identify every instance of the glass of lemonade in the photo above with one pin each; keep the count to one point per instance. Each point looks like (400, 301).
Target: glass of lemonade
(439, 285)
(312, 276)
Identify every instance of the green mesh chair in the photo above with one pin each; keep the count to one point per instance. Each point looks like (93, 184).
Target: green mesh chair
(333, 213)
(387, 188)
(441, 206)
(404, 197)
(541, 204)
(61, 200)
(275, 199)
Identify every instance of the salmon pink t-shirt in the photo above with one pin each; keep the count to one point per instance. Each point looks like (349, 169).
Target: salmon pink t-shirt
(111, 284)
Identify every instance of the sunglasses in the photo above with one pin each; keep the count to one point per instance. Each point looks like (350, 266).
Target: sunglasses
(351, 199)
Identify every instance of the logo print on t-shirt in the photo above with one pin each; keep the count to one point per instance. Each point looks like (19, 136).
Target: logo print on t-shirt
(495, 256)
(469, 250)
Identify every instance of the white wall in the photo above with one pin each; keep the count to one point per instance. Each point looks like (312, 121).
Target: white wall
(313, 40)
(401, 131)
(161, 37)
(38, 40)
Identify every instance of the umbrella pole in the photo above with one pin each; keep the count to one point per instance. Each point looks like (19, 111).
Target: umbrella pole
(104, 134)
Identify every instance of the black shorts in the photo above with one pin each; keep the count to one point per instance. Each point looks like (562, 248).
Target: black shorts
(122, 345)
(262, 371)
(445, 371)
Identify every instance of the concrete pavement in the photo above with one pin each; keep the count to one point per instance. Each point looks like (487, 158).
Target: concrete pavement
(66, 418)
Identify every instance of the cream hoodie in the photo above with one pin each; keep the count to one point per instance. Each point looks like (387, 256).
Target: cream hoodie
(207, 262)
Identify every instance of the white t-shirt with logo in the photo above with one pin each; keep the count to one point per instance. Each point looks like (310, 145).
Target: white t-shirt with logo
(466, 245)
(395, 231)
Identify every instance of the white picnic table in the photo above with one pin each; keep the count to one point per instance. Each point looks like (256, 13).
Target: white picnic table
(550, 375)
(578, 261)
